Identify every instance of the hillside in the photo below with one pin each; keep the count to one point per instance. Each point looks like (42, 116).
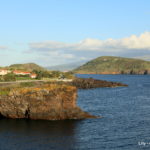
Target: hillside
(114, 65)
(27, 66)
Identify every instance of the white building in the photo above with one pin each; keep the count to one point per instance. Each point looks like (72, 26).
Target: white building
(4, 71)
(33, 76)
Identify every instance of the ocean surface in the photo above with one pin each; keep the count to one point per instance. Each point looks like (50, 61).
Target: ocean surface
(125, 122)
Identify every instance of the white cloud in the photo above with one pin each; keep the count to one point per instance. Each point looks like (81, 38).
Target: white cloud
(132, 42)
(88, 44)
(61, 52)
(137, 42)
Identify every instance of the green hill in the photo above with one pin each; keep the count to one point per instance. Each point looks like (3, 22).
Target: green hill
(114, 65)
(27, 66)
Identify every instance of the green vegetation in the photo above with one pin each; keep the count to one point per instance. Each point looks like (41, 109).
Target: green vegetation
(12, 77)
(23, 78)
(68, 75)
(8, 77)
(40, 75)
(27, 84)
(115, 65)
(46, 75)
(53, 74)
(27, 67)
(5, 91)
(33, 86)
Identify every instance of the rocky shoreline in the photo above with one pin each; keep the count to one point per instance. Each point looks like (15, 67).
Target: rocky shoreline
(124, 72)
(47, 101)
(87, 83)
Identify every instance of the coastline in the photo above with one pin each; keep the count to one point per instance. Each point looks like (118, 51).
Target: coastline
(47, 100)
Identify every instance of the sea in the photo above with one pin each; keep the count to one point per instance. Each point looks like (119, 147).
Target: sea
(124, 122)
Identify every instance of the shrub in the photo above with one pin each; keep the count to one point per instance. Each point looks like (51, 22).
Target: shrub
(27, 84)
(9, 77)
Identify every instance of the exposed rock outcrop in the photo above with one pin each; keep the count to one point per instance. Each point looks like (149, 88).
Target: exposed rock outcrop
(49, 102)
(87, 83)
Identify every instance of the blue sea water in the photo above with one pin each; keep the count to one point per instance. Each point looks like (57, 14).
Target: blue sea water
(125, 122)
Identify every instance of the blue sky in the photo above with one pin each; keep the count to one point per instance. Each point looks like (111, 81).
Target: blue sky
(53, 32)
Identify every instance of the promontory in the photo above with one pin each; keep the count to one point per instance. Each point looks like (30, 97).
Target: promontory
(47, 101)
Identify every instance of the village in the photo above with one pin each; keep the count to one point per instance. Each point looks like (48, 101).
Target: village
(47, 75)
(17, 72)
(13, 75)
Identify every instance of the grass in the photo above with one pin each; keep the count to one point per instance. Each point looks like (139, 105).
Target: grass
(27, 84)
(34, 86)
(4, 91)
(114, 64)
(24, 78)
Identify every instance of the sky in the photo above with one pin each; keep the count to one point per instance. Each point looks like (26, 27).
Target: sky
(53, 32)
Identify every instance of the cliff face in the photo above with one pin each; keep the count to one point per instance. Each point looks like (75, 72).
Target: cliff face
(49, 102)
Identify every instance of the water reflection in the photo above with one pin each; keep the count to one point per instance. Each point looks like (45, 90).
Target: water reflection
(43, 135)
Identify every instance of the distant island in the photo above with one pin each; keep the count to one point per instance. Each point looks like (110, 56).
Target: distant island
(114, 65)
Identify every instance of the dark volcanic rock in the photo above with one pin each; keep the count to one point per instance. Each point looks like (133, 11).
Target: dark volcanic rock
(50, 102)
(86, 83)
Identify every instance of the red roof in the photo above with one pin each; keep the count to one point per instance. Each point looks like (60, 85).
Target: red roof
(16, 71)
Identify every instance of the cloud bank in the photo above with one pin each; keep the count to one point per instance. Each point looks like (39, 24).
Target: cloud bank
(61, 52)
(133, 42)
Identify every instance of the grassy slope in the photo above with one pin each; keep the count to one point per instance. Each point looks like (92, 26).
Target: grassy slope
(114, 65)
(28, 67)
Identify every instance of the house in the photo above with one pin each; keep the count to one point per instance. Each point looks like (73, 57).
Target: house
(21, 72)
(33, 75)
(4, 71)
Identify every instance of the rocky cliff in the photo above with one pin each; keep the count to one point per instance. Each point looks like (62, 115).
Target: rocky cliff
(48, 102)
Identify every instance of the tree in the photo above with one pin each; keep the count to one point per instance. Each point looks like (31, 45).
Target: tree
(9, 77)
(55, 74)
(68, 75)
(41, 74)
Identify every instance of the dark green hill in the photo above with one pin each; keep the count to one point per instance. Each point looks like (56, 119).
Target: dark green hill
(27, 66)
(114, 65)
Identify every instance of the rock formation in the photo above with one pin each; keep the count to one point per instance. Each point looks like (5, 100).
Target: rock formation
(49, 102)
(88, 83)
